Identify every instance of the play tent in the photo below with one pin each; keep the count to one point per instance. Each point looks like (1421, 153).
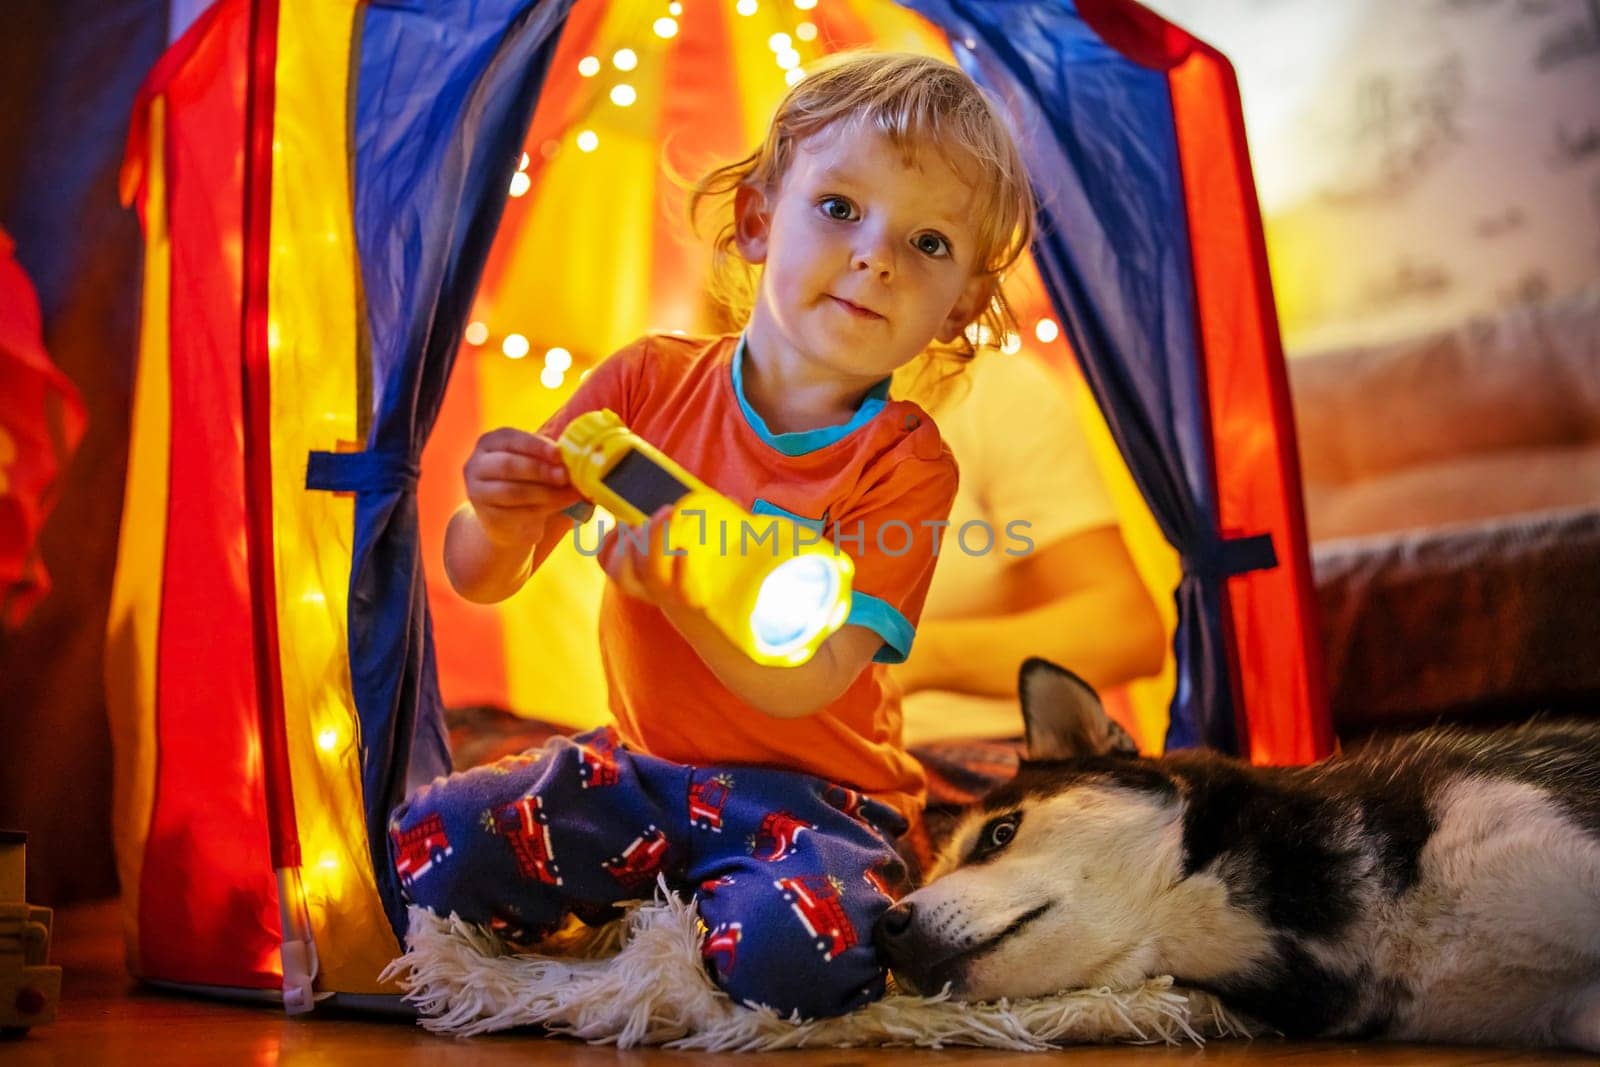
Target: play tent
(319, 184)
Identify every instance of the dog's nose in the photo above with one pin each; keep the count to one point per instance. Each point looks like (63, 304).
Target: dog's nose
(893, 925)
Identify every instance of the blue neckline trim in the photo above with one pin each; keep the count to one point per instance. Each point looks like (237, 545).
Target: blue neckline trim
(804, 441)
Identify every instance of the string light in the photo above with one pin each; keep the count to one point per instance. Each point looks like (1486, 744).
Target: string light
(558, 359)
(806, 31)
(625, 59)
(515, 346)
(789, 59)
(589, 66)
(1012, 344)
(623, 94)
(675, 9)
(779, 42)
(524, 164)
(805, 5)
(666, 27)
(588, 141)
(477, 333)
(520, 183)
(1047, 330)
(551, 378)
(794, 76)
(745, 7)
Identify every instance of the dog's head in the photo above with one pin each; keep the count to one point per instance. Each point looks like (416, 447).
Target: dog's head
(1055, 880)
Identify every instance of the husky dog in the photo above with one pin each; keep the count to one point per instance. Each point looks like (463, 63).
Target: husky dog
(1443, 886)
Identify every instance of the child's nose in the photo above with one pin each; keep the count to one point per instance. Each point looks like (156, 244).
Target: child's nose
(877, 256)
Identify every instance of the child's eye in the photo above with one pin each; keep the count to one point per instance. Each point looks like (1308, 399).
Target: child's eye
(838, 208)
(932, 244)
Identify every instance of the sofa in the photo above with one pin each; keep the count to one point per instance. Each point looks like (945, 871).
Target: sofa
(1453, 503)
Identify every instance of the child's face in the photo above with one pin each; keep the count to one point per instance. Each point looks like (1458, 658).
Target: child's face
(867, 260)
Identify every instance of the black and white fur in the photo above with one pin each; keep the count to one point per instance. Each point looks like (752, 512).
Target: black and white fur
(1441, 886)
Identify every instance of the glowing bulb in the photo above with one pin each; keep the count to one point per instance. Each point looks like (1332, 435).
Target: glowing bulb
(805, 5)
(745, 7)
(806, 31)
(675, 9)
(589, 66)
(551, 378)
(779, 42)
(515, 346)
(795, 602)
(524, 164)
(520, 183)
(328, 740)
(588, 141)
(559, 358)
(625, 59)
(666, 27)
(1012, 344)
(623, 94)
(789, 60)
(477, 333)
(1047, 330)
(794, 76)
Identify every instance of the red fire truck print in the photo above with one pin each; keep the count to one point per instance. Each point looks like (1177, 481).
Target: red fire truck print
(641, 860)
(815, 899)
(713, 884)
(775, 838)
(706, 799)
(416, 850)
(846, 800)
(597, 762)
(879, 878)
(722, 946)
(526, 829)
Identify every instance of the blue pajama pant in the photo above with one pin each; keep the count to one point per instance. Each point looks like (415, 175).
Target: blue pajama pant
(789, 872)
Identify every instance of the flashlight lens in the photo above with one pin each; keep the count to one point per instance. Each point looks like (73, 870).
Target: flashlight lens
(795, 602)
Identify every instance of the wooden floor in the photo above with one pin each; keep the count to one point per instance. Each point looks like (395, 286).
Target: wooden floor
(107, 1018)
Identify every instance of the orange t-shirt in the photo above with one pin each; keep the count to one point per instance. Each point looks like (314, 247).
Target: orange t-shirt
(879, 486)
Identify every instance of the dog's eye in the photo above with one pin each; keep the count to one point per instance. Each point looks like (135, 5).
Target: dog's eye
(997, 834)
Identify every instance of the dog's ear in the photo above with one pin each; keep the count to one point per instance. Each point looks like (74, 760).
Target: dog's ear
(1064, 717)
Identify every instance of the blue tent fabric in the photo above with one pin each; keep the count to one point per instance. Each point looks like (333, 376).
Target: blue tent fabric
(1098, 134)
(444, 94)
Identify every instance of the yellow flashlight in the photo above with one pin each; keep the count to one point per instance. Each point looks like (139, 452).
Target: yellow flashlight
(774, 592)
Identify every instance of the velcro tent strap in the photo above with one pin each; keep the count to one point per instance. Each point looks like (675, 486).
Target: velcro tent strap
(1230, 556)
(360, 472)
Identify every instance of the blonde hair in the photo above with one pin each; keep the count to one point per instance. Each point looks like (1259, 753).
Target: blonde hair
(913, 100)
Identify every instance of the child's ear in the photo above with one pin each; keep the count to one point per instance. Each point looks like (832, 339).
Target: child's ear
(974, 298)
(752, 223)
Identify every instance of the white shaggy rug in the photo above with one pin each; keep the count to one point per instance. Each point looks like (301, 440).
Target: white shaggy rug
(640, 981)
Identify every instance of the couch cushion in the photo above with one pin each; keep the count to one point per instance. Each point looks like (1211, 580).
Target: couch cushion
(1424, 413)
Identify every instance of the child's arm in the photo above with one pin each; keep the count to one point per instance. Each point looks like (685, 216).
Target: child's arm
(782, 692)
(516, 487)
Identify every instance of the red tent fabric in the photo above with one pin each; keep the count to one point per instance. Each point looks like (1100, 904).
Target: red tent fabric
(42, 420)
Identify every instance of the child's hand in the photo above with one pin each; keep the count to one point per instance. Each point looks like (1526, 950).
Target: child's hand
(515, 482)
(636, 558)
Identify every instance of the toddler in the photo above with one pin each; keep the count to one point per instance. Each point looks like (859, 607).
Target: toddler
(873, 223)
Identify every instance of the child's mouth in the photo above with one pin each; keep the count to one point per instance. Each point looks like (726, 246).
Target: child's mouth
(855, 309)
